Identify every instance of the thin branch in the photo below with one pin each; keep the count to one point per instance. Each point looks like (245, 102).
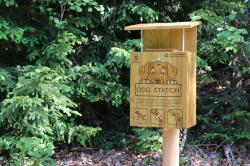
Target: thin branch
(62, 6)
(184, 138)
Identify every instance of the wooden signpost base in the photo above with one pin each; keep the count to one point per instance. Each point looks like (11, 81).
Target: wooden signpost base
(170, 153)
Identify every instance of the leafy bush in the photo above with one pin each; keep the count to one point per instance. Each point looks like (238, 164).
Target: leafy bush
(65, 67)
(7, 81)
(223, 58)
(147, 140)
(60, 64)
(36, 114)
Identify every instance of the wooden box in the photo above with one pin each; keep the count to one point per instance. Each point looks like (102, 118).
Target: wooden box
(163, 76)
(163, 89)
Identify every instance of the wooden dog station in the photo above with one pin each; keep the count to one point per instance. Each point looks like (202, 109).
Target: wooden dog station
(163, 81)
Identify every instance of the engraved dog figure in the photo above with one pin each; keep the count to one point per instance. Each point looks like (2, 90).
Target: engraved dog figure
(157, 73)
(177, 114)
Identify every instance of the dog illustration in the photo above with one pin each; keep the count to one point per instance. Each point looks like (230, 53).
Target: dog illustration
(157, 73)
(177, 114)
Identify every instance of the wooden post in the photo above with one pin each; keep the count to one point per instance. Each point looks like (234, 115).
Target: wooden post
(170, 153)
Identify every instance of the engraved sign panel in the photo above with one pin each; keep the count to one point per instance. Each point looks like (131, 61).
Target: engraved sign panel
(162, 89)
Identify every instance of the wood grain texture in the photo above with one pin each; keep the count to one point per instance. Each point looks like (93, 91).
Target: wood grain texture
(175, 25)
(162, 89)
(170, 39)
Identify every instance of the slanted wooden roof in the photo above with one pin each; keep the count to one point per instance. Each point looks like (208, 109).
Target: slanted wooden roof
(173, 25)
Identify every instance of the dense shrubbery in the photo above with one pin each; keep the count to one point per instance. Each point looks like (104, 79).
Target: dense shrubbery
(224, 49)
(64, 73)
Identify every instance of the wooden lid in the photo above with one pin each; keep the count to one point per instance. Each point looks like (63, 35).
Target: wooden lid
(172, 25)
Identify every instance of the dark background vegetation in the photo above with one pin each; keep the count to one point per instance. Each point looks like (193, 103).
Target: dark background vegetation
(64, 74)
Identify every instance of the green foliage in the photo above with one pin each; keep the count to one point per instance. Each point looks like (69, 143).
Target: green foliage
(57, 51)
(64, 73)
(238, 120)
(246, 70)
(126, 12)
(118, 57)
(9, 31)
(132, 45)
(223, 64)
(75, 72)
(7, 80)
(147, 140)
(230, 37)
(93, 82)
(9, 3)
(37, 113)
(37, 149)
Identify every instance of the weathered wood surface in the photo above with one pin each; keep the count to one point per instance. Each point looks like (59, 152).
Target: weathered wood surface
(163, 89)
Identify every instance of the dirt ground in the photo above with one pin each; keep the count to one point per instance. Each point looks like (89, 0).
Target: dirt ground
(198, 155)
